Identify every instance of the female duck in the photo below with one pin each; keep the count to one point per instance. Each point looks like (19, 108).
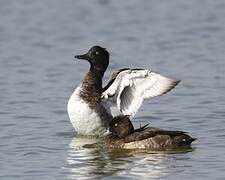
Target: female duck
(125, 137)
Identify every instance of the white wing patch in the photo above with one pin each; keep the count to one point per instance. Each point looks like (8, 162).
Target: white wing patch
(131, 87)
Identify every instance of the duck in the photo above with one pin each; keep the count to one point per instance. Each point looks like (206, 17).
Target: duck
(92, 107)
(124, 136)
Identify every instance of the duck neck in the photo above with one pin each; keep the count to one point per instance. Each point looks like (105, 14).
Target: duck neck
(92, 87)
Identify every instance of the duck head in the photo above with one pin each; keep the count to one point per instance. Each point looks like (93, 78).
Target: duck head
(121, 126)
(98, 57)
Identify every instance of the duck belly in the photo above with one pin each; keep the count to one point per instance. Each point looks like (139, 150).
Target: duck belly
(85, 120)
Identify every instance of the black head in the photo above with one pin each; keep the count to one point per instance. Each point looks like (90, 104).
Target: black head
(121, 126)
(98, 57)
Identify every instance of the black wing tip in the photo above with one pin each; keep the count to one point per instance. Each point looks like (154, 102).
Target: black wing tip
(138, 69)
(174, 83)
(172, 86)
(177, 82)
(123, 69)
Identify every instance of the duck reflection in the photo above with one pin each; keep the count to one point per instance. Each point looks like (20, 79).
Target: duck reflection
(89, 158)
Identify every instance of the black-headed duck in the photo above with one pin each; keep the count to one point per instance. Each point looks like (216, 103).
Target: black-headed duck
(91, 107)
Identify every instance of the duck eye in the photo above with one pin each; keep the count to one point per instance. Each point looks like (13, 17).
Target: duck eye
(96, 52)
(116, 124)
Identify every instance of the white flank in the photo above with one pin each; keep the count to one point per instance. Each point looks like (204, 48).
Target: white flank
(85, 120)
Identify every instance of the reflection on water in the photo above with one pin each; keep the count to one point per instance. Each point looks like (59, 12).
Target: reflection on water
(88, 157)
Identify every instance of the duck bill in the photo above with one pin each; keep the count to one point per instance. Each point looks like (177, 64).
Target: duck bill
(84, 56)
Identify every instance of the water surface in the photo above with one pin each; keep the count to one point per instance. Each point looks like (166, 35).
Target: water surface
(38, 39)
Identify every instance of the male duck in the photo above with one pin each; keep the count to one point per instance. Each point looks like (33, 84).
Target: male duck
(91, 107)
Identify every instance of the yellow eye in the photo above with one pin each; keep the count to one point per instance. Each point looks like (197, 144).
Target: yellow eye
(97, 52)
(116, 124)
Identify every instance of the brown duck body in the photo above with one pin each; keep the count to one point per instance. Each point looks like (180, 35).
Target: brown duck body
(151, 138)
(145, 138)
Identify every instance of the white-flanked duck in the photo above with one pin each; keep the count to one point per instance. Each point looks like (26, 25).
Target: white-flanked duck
(91, 107)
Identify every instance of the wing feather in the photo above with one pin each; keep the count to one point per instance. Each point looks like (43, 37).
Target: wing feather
(131, 87)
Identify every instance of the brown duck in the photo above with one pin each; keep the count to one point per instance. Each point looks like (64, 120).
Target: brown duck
(124, 136)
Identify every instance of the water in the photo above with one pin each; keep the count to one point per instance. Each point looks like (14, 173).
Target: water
(38, 39)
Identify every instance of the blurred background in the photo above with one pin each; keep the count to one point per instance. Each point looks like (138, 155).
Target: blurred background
(178, 38)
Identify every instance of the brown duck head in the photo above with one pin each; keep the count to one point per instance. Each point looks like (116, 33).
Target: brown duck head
(121, 126)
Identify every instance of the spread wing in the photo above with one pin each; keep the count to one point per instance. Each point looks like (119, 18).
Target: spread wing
(130, 87)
